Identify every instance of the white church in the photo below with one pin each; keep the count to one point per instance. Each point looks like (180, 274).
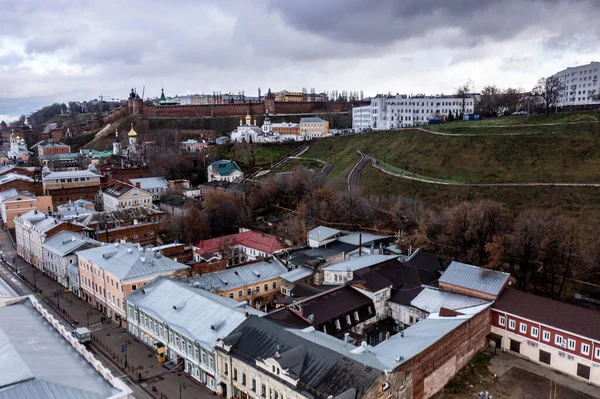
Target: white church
(267, 133)
(18, 149)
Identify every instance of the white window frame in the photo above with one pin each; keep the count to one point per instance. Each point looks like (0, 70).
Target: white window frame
(571, 344)
(558, 340)
(512, 324)
(597, 354)
(502, 321)
(523, 328)
(535, 332)
(546, 336)
(585, 348)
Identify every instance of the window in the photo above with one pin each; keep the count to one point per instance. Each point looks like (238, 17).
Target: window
(512, 324)
(133, 287)
(243, 378)
(356, 318)
(266, 287)
(274, 285)
(546, 336)
(502, 320)
(544, 357)
(253, 384)
(348, 320)
(226, 369)
(523, 328)
(585, 349)
(240, 293)
(231, 295)
(258, 289)
(571, 344)
(337, 324)
(558, 340)
(597, 354)
(534, 332)
(263, 390)
(234, 374)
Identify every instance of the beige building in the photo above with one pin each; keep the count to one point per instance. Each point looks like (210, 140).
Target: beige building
(314, 127)
(121, 195)
(285, 95)
(107, 274)
(13, 204)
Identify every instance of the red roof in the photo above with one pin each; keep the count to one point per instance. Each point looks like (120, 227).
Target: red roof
(251, 239)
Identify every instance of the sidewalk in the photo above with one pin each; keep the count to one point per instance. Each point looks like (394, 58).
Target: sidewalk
(141, 368)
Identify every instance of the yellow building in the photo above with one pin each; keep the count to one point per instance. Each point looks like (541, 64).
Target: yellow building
(256, 283)
(314, 127)
(13, 204)
(285, 95)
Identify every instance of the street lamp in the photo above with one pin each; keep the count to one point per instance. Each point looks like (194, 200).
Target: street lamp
(182, 386)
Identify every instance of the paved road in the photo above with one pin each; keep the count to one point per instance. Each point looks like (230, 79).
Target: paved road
(108, 337)
(354, 176)
(500, 126)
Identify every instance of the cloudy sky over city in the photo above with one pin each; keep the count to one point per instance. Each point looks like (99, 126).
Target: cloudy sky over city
(60, 50)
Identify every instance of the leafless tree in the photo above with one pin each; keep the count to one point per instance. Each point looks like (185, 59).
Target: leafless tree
(463, 92)
(548, 89)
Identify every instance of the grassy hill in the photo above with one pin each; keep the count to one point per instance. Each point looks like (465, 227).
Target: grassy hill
(564, 152)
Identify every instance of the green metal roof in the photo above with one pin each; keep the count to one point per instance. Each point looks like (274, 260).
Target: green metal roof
(225, 167)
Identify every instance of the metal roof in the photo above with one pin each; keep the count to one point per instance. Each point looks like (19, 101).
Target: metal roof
(67, 242)
(42, 364)
(177, 303)
(14, 176)
(225, 167)
(322, 233)
(474, 278)
(150, 182)
(8, 194)
(127, 261)
(71, 175)
(296, 274)
(431, 300)
(364, 238)
(240, 276)
(311, 119)
(359, 263)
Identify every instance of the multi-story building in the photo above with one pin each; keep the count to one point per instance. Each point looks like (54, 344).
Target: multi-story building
(156, 186)
(256, 283)
(314, 127)
(188, 321)
(247, 245)
(53, 148)
(580, 85)
(286, 128)
(107, 274)
(120, 195)
(60, 260)
(361, 118)
(13, 204)
(550, 333)
(392, 112)
(285, 95)
(32, 229)
(193, 146)
(70, 185)
(225, 170)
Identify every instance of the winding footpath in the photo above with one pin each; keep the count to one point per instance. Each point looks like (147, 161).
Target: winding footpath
(501, 126)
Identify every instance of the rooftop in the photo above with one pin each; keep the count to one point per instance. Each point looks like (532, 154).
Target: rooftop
(320, 370)
(225, 167)
(177, 303)
(296, 274)
(365, 239)
(122, 215)
(359, 263)
(150, 182)
(240, 276)
(41, 364)
(8, 194)
(71, 174)
(322, 233)
(127, 261)
(431, 300)
(311, 119)
(567, 317)
(251, 239)
(67, 242)
(118, 189)
(474, 278)
(8, 177)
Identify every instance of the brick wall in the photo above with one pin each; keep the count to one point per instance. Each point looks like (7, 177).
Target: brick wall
(433, 368)
(60, 196)
(203, 267)
(21, 185)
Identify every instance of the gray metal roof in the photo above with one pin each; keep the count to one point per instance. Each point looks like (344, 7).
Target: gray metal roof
(474, 278)
(296, 274)
(431, 300)
(127, 261)
(8, 194)
(67, 242)
(40, 363)
(200, 315)
(14, 176)
(311, 119)
(359, 263)
(240, 276)
(71, 174)
(322, 233)
(364, 238)
(150, 182)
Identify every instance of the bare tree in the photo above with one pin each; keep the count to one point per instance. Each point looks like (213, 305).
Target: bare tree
(463, 92)
(548, 89)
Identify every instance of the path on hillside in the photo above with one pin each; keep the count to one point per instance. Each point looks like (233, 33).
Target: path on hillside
(354, 176)
(500, 126)
(365, 158)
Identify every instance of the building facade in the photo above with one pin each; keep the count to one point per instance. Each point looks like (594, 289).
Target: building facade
(156, 186)
(225, 170)
(245, 246)
(13, 204)
(107, 274)
(71, 185)
(580, 85)
(361, 118)
(120, 195)
(166, 312)
(314, 127)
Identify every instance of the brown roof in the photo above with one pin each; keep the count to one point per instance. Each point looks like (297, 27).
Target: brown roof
(567, 317)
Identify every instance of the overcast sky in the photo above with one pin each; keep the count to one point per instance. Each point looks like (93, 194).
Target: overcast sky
(60, 50)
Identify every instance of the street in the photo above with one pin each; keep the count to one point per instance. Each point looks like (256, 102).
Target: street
(136, 365)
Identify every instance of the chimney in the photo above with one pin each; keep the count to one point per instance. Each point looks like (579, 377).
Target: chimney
(359, 244)
(138, 185)
(117, 185)
(346, 335)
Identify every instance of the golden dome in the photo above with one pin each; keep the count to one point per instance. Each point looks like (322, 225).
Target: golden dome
(18, 138)
(248, 119)
(132, 132)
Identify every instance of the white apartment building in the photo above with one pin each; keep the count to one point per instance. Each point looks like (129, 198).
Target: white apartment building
(393, 112)
(361, 118)
(580, 85)
(188, 321)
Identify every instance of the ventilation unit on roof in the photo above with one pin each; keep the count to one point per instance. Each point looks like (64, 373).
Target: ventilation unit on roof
(129, 250)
